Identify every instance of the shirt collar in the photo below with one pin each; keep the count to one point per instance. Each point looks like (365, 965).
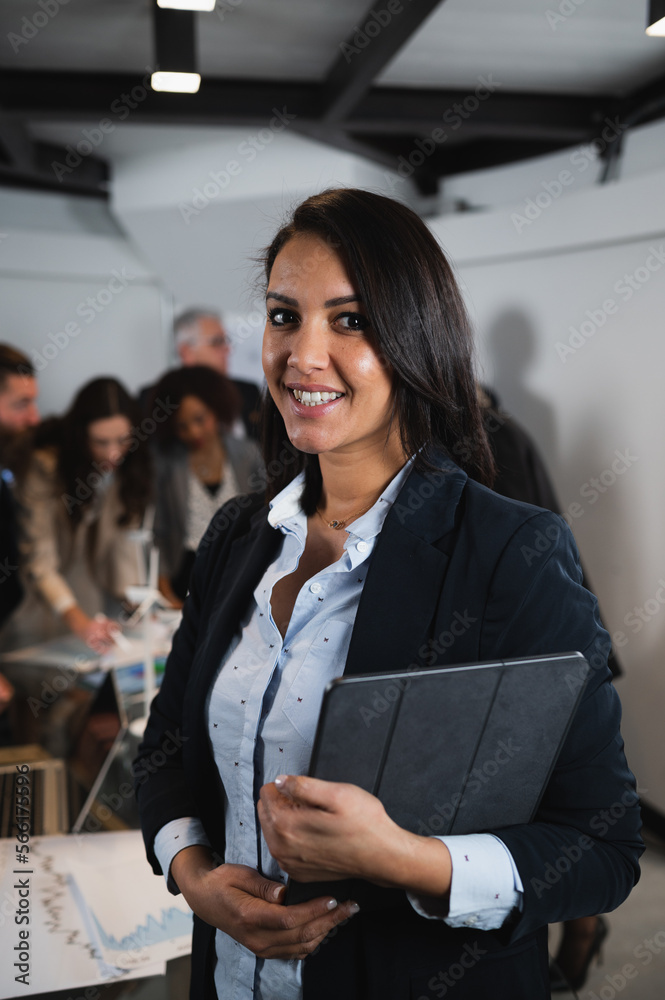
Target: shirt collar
(286, 510)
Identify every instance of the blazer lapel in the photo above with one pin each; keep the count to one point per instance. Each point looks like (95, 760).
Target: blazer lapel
(407, 570)
(246, 564)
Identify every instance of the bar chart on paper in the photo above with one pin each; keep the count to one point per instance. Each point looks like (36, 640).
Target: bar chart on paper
(96, 913)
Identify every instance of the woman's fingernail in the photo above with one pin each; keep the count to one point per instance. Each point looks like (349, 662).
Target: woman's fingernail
(331, 904)
(353, 909)
(277, 891)
(280, 779)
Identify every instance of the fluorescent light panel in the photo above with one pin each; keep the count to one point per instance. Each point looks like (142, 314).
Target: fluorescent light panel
(206, 5)
(176, 83)
(657, 29)
(656, 20)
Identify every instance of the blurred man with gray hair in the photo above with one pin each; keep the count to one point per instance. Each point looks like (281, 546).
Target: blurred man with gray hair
(201, 339)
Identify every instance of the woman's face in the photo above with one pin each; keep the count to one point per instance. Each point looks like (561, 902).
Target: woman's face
(195, 424)
(331, 387)
(109, 440)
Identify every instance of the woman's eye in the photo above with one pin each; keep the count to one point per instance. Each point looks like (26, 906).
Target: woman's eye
(281, 317)
(353, 321)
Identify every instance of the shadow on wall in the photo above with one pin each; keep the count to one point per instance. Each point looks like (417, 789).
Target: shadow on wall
(512, 348)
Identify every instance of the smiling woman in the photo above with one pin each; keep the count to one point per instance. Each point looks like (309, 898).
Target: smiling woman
(371, 543)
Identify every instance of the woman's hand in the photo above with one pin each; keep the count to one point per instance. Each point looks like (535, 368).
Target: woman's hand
(6, 692)
(248, 907)
(166, 590)
(324, 830)
(97, 633)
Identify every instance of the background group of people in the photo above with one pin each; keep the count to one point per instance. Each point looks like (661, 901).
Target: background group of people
(76, 487)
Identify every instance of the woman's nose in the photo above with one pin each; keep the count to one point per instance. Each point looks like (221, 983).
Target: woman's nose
(309, 348)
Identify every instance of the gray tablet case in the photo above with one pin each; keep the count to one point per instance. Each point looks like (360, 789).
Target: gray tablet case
(447, 750)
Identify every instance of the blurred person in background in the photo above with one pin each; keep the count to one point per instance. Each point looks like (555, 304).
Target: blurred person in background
(199, 465)
(87, 486)
(201, 339)
(18, 416)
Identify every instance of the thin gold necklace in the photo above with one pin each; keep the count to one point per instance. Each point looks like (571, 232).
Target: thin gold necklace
(338, 524)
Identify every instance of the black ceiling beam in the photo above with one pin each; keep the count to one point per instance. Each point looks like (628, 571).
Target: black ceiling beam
(484, 153)
(644, 104)
(383, 111)
(16, 146)
(460, 113)
(41, 95)
(379, 36)
(46, 167)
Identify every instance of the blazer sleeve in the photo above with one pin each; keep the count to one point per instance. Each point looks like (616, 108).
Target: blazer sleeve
(580, 855)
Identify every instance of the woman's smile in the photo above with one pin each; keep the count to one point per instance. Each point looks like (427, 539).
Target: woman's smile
(332, 388)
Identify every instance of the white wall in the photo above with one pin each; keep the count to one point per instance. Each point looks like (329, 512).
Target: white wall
(76, 298)
(568, 310)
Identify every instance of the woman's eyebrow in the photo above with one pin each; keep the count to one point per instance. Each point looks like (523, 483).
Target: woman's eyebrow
(328, 304)
(342, 300)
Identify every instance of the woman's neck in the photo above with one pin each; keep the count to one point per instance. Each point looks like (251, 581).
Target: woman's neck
(352, 482)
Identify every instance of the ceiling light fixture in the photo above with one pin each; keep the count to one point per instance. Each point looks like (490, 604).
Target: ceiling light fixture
(656, 23)
(206, 5)
(175, 52)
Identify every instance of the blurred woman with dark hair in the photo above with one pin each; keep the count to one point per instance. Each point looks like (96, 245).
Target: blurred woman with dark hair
(87, 487)
(199, 466)
(372, 540)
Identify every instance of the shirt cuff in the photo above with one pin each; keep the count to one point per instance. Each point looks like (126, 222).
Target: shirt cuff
(485, 886)
(186, 831)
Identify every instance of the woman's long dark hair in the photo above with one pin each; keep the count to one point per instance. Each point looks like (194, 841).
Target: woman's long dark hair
(216, 391)
(419, 323)
(77, 474)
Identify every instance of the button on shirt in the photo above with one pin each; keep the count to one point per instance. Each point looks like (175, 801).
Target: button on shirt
(262, 715)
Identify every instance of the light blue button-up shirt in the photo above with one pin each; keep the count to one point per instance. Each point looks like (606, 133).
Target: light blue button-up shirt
(262, 714)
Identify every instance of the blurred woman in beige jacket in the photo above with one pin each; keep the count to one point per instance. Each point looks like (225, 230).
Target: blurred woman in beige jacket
(86, 490)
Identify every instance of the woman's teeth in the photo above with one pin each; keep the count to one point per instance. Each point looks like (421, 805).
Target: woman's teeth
(315, 398)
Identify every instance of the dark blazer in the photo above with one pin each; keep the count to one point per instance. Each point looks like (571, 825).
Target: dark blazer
(11, 591)
(521, 472)
(450, 551)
